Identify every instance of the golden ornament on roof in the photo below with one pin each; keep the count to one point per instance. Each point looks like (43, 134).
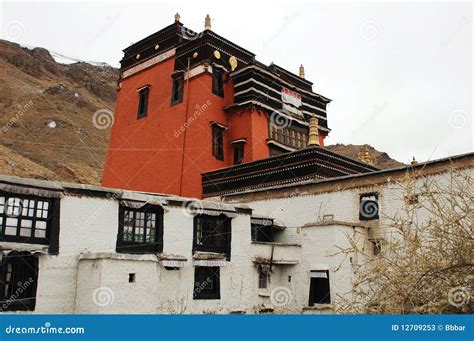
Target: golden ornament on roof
(217, 54)
(233, 63)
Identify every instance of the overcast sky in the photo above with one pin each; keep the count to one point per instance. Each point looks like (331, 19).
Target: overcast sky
(399, 74)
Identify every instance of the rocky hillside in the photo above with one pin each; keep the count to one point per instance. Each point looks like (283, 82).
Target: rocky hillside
(47, 126)
(380, 159)
(46, 115)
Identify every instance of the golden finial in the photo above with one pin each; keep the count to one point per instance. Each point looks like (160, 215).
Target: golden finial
(302, 71)
(414, 162)
(207, 22)
(313, 139)
(177, 17)
(366, 157)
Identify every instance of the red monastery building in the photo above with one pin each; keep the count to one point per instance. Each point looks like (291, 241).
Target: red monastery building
(191, 103)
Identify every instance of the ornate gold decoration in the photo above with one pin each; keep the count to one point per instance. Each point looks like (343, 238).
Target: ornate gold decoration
(177, 17)
(195, 54)
(313, 139)
(302, 71)
(207, 22)
(217, 54)
(233, 63)
(137, 56)
(366, 156)
(157, 46)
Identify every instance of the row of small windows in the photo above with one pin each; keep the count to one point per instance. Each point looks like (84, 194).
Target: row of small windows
(289, 136)
(177, 91)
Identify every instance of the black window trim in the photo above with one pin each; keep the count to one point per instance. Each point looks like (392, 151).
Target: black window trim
(143, 92)
(327, 298)
(226, 249)
(28, 282)
(218, 146)
(133, 247)
(52, 222)
(201, 294)
(218, 82)
(177, 87)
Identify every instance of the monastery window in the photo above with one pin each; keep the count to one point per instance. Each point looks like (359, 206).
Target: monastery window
(26, 219)
(217, 82)
(376, 247)
(18, 281)
(212, 234)
(319, 292)
(140, 230)
(262, 232)
(177, 90)
(143, 102)
(369, 206)
(238, 152)
(206, 283)
(263, 276)
(218, 142)
(289, 136)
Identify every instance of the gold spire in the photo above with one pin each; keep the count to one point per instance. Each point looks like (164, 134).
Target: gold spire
(177, 17)
(207, 22)
(313, 139)
(414, 162)
(302, 71)
(366, 157)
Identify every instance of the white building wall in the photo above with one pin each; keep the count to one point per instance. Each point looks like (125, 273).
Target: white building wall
(87, 262)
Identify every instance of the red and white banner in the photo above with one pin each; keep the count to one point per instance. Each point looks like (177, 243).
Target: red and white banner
(291, 97)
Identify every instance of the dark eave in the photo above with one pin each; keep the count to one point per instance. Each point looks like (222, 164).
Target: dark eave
(290, 76)
(429, 167)
(309, 163)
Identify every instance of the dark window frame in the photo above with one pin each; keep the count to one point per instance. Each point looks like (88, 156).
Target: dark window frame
(207, 283)
(262, 279)
(203, 221)
(361, 199)
(239, 152)
(143, 98)
(24, 276)
(218, 142)
(217, 82)
(177, 89)
(140, 247)
(51, 220)
(262, 233)
(320, 290)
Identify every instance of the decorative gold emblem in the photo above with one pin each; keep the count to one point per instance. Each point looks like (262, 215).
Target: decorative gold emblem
(195, 54)
(233, 62)
(137, 56)
(217, 54)
(157, 46)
